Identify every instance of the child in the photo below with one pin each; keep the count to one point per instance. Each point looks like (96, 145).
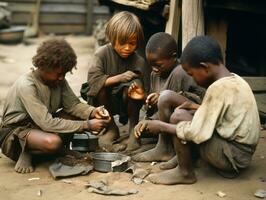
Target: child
(28, 124)
(167, 74)
(115, 67)
(225, 126)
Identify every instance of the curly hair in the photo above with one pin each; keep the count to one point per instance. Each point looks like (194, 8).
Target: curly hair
(55, 53)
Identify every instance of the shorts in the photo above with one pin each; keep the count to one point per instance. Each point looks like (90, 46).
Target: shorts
(224, 155)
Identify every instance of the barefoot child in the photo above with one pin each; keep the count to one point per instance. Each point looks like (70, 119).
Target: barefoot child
(167, 74)
(225, 126)
(28, 124)
(115, 67)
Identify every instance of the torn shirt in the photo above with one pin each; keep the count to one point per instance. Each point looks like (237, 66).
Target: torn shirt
(229, 107)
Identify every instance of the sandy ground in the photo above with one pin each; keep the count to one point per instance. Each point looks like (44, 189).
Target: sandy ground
(16, 59)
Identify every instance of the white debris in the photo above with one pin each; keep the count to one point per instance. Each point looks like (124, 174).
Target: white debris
(34, 179)
(220, 194)
(153, 163)
(260, 193)
(39, 193)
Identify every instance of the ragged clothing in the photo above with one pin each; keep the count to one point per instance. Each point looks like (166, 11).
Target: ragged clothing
(30, 104)
(230, 109)
(30, 100)
(178, 80)
(107, 62)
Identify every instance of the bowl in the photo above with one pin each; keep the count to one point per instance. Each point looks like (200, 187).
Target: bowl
(110, 162)
(12, 35)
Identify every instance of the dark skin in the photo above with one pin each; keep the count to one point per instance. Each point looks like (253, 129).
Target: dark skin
(204, 75)
(162, 65)
(48, 143)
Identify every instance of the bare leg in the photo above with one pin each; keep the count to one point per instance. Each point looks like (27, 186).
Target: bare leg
(182, 174)
(112, 133)
(39, 141)
(170, 164)
(133, 107)
(164, 150)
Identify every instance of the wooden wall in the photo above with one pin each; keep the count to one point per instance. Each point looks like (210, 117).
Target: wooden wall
(58, 16)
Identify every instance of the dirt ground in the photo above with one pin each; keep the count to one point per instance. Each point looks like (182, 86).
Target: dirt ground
(16, 59)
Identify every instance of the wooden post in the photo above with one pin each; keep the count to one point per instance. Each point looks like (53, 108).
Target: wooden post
(89, 23)
(173, 23)
(192, 20)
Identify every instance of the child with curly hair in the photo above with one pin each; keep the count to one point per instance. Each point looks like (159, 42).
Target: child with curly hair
(115, 67)
(30, 124)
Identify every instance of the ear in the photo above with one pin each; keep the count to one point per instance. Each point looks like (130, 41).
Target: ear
(205, 66)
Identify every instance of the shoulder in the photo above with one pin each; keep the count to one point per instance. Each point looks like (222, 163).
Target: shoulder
(104, 50)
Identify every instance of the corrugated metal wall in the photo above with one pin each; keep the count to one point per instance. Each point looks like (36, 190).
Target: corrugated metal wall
(58, 16)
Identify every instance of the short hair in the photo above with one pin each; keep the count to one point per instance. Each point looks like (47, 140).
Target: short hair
(162, 42)
(201, 49)
(55, 53)
(122, 26)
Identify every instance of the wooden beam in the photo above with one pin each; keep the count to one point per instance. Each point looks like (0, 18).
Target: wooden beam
(63, 29)
(173, 23)
(257, 84)
(89, 22)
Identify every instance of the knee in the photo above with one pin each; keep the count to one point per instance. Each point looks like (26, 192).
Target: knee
(52, 143)
(165, 98)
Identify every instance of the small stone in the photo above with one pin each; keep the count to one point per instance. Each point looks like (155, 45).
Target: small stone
(220, 194)
(260, 193)
(153, 163)
(39, 193)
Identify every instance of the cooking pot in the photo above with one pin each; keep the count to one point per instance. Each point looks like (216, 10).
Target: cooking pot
(85, 142)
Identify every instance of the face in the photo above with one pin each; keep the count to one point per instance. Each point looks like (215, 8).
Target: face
(52, 78)
(200, 74)
(161, 65)
(125, 50)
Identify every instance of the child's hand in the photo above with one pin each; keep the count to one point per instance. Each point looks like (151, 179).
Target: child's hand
(152, 99)
(127, 76)
(100, 113)
(188, 105)
(136, 92)
(97, 124)
(152, 126)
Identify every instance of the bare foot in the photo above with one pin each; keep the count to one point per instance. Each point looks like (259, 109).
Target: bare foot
(24, 164)
(170, 164)
(109, 136)
(173, 176)
(133, 143)
(163, 151)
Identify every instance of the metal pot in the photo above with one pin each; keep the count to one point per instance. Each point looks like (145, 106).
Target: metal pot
(107, 162)
(12, 35)
(85, 142)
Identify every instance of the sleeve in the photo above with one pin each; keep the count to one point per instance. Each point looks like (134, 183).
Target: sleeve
(72, 104)
(40, 114)
(203, 124)
(96, 76)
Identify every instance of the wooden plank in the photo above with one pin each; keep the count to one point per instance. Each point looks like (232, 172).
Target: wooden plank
(62, 18)
(217, 28)
(261, 102)
(89, 17)
(51, 18)
(49, 8)
(49, 1)
(173, 23)
(192, 20)
(257, 84)
(20, 18)
(63, 29)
